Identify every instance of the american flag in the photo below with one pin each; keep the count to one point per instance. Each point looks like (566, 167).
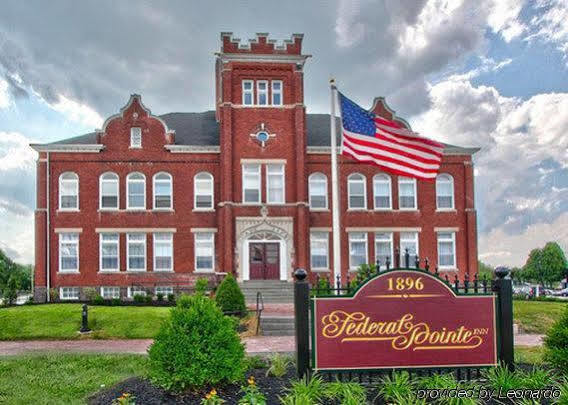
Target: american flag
(371, 139)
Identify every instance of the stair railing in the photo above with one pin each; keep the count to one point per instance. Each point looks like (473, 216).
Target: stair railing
(259, 309)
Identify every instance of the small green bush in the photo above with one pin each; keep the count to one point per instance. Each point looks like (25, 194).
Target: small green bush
(115, 302)
(229, 296)
(304, 392)
(201, 285)
(255, 361)
(279, 364)
(501, 377)
(98, 300)
(90, 293)
(148, 298)
(196, 347)
(160, 297)
(139, 298)
(53, 294)
(171, 298)
(346, 393)
(398, 389)
(556, 343)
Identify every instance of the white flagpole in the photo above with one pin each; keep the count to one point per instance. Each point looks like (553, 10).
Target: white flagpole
(334, 189)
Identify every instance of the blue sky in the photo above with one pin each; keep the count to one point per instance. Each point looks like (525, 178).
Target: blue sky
(490, 73)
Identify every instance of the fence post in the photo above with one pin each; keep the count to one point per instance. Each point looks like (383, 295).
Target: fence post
(504, 288)
(301, 307)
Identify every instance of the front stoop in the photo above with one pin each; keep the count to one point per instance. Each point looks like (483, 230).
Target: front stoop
(273, 291)
(277, 326)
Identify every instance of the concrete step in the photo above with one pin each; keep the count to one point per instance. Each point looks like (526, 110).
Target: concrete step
(277, 326)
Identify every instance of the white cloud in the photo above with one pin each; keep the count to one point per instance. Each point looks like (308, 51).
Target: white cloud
(75, 111)
(504, 18)
(551, 23)
(5, 99)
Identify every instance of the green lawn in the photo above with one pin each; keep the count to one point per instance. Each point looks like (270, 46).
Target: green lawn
(63, 378)
(529, 355)
(537, 316)
(62, 321)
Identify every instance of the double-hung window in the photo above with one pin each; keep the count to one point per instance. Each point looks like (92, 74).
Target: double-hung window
(109, 248)
(164, 290)
(317, 184)
(136, 290)
(110, 292)
(163, 191)
(319, 250)
(203, 191)
(248, 92)
(356, 190)
(384, 249)
(68, 191)
(136, 191)
(163, 252)
(135, 137)
(262, 92)
(275, 184)
(136, 251)
(68, 252)
(357, 249)
(69, 293)
(276, 92)
(204, 251)
(444, 192)
(251, 183)
(446, 250)
(408, 240)
(108, 189)
(406, 193)
(382, 192)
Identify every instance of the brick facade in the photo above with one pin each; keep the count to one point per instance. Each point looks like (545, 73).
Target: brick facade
(232, 221)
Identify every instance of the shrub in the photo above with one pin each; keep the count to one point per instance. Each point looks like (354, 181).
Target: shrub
(556, 343)
(201, 285)
(90, 293)
(278, 365)
(148, 298)
(255, 361)
(115, 302)
(98, 300)
(346, 393)
(139, 298)
(398, 388)
(302, 392)
(53, 294)
(196, 347)
(322, 287)
(501, 377)
(11, 290)
(160, 297)
(229, 296)
(171, 298)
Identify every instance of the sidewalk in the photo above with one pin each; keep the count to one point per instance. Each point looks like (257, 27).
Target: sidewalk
(254, 345)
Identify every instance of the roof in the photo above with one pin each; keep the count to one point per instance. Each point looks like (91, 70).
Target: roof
(202, 129)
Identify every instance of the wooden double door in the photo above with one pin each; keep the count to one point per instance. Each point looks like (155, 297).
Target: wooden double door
(264, 261)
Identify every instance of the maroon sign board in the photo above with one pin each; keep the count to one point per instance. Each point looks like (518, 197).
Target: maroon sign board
(403, 319)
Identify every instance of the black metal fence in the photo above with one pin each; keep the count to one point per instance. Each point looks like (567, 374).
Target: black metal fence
(501, 286)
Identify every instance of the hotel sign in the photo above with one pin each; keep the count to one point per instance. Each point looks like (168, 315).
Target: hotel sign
(403, 319)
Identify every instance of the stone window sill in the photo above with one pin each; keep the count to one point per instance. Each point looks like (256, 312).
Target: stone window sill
(67, 211)
(446, 210)
(320, 270)
(203, 272)
(68, 272)
(203, 210)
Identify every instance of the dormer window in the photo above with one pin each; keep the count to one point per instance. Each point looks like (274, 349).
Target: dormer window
(247, 92)
(135, 137)
(262, 92)
(277, 92)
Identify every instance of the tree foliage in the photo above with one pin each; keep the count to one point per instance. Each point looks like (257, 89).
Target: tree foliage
(546, 266)
(485, 270)
(19, 274)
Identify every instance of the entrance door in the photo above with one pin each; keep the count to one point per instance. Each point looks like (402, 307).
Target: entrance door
(264, 261)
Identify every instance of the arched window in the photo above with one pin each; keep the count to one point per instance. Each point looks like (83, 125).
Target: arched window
(317, 184)
(407, 193)
(68, 191)
(382, 192)
(444, 192)
(203, 191)
(136, 191)
(163, 194)
(108, 191)
(357, 191)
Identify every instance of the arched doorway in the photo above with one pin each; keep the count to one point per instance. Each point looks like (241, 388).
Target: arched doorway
(264, 257)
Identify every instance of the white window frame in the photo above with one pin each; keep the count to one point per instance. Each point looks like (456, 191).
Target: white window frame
(75, 180)
(446, 178)
(196, 242)
(259, 176)
(113, 295)
(317, 177)
(321, 237)
(259, 92)
(282, 174)
(134, 132)
(139, 290)
(352, 239)
(101, 243)
(378, 240)
(453, 240)
(162, 287)
(251, 91)
(384, 179)
(210, 181)
(76, 242)
(352, 179)
(408, 180)
(170, 182)
(157, 241)
(128, 181)
(66, 297)
(403, 251)
(115, 180)
(128, 235)
(280, 92)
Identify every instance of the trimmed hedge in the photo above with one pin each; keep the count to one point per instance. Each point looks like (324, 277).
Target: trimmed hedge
(556, 343)
(229, 296)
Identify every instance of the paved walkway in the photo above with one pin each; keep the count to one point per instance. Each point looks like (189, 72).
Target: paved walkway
(258, 344)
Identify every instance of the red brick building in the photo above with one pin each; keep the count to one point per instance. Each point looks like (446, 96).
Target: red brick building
(150, 203)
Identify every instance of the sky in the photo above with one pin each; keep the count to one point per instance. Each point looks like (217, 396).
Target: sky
(486, 73)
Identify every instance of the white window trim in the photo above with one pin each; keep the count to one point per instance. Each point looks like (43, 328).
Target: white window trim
(212, 190)
(326, 239)
(402, 253)
(101, 181)
(391, 240)
(455, 264)
(258, 82)
(450, 179)
(408, 180)
(101, 253)
(78, 254)
(131, 133)
(128, 254)
(129, 293)
(383, 178)
(259, 184)
(109, 286)
(252, 99)
(324, 180)
(212, 270)
(67, 298)
(283, 174)
(366, 240)
(281, 91)
(154, 181)
(163, 286)
(128, 207)
(350, 179)
(154, 252)
(76, 181)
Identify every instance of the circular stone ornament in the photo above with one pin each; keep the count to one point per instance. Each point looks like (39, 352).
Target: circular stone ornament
(262, 136)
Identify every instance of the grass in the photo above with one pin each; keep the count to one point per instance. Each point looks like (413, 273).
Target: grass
(63, 378)
(62, 321)
(537, 316)
(529, 355)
